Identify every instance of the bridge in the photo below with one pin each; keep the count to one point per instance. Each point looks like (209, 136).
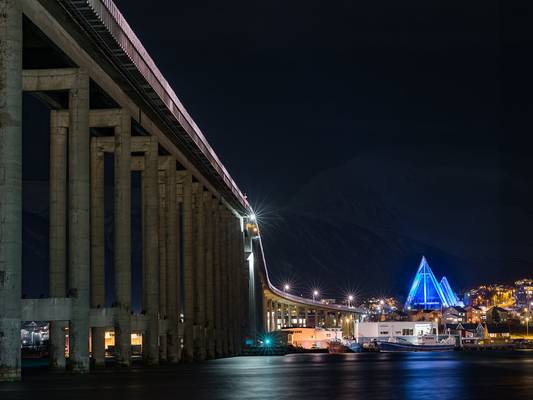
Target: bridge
(205, 283)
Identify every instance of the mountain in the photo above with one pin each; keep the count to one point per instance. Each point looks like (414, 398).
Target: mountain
(366, 223)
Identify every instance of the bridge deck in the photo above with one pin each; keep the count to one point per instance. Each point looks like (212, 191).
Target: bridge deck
(110, 32)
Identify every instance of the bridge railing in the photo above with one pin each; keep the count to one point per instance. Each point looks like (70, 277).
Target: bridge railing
(291, 297)
(103, 20)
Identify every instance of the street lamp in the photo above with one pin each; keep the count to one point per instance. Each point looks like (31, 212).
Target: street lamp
(315, 294)
(350, 299)
(286, 287)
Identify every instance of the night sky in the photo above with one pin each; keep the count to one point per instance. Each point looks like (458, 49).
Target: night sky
(365, 133)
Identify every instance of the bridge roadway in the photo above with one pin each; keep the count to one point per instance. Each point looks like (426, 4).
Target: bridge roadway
(204, 277)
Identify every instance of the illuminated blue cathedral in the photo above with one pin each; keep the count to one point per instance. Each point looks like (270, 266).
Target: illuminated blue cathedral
(427, 293)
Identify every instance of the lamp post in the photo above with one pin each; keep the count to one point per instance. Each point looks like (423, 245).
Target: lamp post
(286, 287)
(437, 321)
(315, 294)
(350, 299)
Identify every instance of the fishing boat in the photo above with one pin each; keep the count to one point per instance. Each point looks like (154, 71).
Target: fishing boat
(344, 346)
(423, 343)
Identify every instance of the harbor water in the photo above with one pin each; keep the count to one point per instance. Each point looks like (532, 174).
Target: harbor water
(449, 375)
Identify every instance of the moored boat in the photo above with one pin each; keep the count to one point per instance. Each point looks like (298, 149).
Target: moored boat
(423, 344)
(344, 346)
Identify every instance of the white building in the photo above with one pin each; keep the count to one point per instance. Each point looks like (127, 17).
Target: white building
(366, 331)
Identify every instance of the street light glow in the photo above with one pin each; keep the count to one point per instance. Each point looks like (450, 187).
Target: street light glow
(286, 287)
(252, 217)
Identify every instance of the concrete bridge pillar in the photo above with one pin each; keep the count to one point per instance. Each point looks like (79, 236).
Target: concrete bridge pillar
(274, 316)
(97, 248)
(151, 251)
(123, 239)
(232, 286)
(225, 306)
(79, 225)
(267, 307)
(217, 279)
(57, 234)
(230, 265)
(10, 187)
(172, 263)
(242, 274)
(199, 284)
(209, 270)
(163, 215)
(188, 268)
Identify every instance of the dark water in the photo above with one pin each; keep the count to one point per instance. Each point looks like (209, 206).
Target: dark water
(311, 376)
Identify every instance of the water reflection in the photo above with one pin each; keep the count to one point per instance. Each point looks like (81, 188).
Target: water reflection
(305, 376)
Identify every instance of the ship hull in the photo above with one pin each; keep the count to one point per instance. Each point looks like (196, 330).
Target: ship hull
(391, 347)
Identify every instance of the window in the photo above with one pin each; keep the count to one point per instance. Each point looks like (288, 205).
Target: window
(384, 332)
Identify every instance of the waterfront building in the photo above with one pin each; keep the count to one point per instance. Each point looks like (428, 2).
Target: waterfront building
(312, 338)
(424, 315)
(497, 315)
(454, 315)
(498, 331)
(34, 334)
(524, 293)
(474, 314)
(381, 308)
(427, 293)
(465, 330)
(492, 295)
(366, 331)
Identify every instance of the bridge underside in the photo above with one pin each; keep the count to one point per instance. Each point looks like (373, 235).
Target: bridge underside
(202, 282)
(110, 109)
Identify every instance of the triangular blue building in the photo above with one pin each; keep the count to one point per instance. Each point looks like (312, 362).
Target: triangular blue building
(427, 293)
(448, 292)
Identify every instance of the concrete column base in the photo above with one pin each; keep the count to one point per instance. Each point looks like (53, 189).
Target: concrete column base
(163, 348)
(98, 346)
(57, 346)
